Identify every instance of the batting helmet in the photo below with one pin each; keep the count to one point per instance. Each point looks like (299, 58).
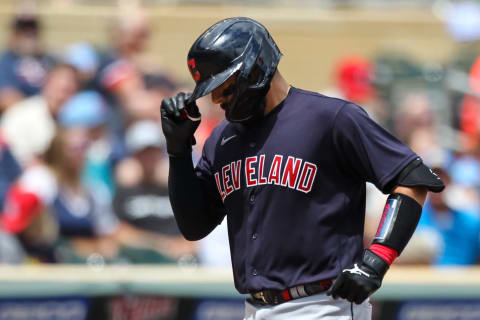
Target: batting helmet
(240, 47)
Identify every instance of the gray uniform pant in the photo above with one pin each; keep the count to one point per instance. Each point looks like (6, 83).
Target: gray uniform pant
(319, 306)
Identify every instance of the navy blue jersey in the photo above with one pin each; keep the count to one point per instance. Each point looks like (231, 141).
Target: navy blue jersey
(293, 188)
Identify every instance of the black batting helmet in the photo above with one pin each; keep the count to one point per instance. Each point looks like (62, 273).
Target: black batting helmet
(235, 46)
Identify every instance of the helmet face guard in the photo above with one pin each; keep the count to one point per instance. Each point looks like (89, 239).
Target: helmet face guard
(239, 47)
(247, 103)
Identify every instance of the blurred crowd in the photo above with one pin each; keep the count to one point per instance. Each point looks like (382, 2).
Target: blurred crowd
(83, 167)
(435, 110)
(83, 163)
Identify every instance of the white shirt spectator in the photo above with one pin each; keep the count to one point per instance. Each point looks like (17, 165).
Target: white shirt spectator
(29, 127)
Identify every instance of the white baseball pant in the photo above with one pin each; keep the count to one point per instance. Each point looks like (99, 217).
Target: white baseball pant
(318, 307)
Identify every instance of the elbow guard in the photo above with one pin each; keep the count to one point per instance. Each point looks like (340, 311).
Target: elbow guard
(399, 221)
(417, 174)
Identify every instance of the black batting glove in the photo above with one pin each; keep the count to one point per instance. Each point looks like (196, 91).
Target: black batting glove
(180, 119)
(361, 280)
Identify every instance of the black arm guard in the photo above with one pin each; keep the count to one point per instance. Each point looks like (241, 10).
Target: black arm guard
(417, 174)
(399, 220)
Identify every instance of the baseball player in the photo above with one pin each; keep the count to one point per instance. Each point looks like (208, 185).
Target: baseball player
(288, 168)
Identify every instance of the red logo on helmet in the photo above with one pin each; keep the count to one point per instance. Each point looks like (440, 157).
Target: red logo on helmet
(193, 70)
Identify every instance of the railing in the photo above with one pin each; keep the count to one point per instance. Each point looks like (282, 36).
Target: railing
(67, 280)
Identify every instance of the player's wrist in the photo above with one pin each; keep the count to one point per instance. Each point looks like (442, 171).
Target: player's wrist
(181, 149)
(375, 263)
(386, 253)
(179, 153)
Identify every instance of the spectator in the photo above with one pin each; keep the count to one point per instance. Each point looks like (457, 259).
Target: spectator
(24, 65)
(464, 191)
(119, 77)
(150, 233)
(9, 169)
(454, 233)
(51, 190)
(11, 249)
(30, 125)
(83, 56)
(353, 78)
(87, 224)
(417, 123)
(26, 223)
(160, 86)
(89, 110)
(469, 109)
(414, 112)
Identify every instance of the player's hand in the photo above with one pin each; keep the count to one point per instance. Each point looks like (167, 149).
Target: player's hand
(361, 280)
(179, 122)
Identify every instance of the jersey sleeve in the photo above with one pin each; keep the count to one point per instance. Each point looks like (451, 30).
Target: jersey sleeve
(203, 170)
(366, 151)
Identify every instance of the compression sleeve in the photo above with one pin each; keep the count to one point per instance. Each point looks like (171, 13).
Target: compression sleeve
(195, 214)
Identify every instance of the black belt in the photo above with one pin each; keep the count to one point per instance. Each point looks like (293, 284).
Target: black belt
(271, 297)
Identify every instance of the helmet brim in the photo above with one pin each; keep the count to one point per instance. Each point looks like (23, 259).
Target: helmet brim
(206, 86)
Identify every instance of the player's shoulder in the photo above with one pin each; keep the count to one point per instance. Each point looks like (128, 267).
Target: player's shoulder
(317, 103)
(316, 96)
(221, 127)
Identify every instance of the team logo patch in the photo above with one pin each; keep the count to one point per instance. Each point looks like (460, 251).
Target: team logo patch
(192, 66)
(387, 218)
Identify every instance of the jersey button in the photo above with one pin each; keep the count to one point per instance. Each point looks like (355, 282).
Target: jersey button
(252, 144)
(252, 199)
(254, 236)
(254, 272)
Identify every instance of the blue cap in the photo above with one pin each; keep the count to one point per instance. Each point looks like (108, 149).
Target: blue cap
(82, 56)
(85, 109)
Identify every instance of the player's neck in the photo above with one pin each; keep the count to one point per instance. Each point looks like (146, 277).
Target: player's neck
(278, 91)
